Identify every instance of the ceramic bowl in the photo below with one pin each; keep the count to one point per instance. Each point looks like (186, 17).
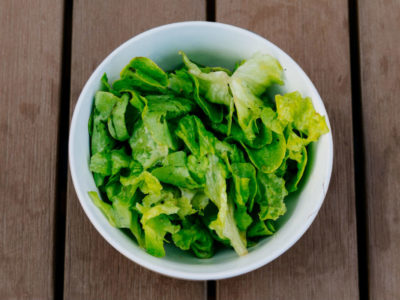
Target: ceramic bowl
(211, 44)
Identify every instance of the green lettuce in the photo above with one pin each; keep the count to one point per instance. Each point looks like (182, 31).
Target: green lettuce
(299, 113)
(200, 157)
(271, 195)
(213, 83)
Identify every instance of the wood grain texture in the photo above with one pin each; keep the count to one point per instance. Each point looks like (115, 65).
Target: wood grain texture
(93, 269)
(323, 264)
(30, 68)
(379, 24)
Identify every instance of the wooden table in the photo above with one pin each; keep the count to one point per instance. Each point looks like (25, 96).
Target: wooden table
(351, 51)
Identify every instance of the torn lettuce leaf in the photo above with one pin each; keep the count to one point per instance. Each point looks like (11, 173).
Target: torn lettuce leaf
(174, 171)
(145, 149)
(213, 111)
(173, 106)
(270, 157)
(247, 83)
(196, 238)
(299, 112)
(119, 123)
(259, 72)
(181, 83)
(271, 195)
(261, 228)
(296, 170)
(213, 83)
(143, 74)
(225, 224)
(245, 183)
(248, 108)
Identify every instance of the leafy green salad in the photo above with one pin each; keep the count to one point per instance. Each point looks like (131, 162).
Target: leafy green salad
(199, 157)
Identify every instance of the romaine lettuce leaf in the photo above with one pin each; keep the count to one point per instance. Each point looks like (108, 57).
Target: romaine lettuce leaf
(242, 218)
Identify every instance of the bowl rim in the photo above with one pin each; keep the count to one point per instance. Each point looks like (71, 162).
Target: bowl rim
(223, 274)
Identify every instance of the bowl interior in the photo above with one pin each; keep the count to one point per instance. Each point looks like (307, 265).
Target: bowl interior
(210, 44)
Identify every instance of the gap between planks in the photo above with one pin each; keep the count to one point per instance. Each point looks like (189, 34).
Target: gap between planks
(359, 155)
(62, 154)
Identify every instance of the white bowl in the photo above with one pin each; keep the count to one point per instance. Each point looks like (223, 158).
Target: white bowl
(209, 44)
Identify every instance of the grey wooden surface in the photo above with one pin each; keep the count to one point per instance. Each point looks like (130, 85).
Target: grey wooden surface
(350, 50)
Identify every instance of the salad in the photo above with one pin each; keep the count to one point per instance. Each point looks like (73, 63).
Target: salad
(199, 157)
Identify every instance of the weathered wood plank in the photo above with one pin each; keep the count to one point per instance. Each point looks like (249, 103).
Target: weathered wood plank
(379, 24)
(30, 80)
(93, 269)
(323, 264)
